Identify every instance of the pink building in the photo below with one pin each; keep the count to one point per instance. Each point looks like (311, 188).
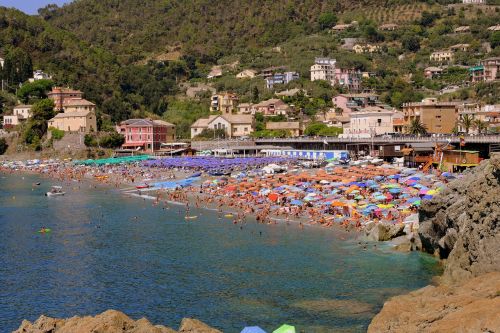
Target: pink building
(146, 134)
(354, 102)
(348, 78)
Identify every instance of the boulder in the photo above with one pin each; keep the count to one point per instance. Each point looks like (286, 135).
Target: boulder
(472, 306)
(385, 231)
(189, 325)
(461, 224)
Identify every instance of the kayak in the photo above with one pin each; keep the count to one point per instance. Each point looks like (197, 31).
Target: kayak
(229, 215)
(44, 231)
(142, 186)
(191, 217)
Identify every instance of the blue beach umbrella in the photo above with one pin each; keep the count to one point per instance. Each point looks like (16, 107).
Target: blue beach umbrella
(427, 197)
(296, 202)
(412, 200)
(394, 190)
(253, 329)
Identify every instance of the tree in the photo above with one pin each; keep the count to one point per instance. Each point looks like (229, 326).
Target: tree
(480, 126)
(255, 94)
(467, 121)
(89, 140)
(17, 67)
(36, 126)
(34, 90)
(112, 140)
(326, 20)
(415, 127)
(3, 146)
(495, 39)
(410, 43)
(428, 19)
(210, 134)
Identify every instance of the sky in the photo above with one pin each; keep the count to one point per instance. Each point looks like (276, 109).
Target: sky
(30, 6)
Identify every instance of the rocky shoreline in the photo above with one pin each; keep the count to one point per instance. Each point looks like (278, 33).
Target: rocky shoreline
(111, 321)
(461, 226)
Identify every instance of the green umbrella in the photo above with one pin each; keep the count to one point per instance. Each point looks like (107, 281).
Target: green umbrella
(285, 329)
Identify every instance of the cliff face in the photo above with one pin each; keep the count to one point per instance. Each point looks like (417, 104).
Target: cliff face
(109, 321)
(462, 224)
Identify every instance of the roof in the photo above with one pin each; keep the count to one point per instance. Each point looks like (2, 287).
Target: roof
(457, 46)
(244, 105)
(371, 109)
(203, 122)
(433, 69)
(269, 102)
(145, 122)
(72, 114)
(58, 90)
(77, 102)
(290, 92)
(282, 125)
(238, 118)
(362, 95)
(388, 25)
(22, 106)
(398, 121)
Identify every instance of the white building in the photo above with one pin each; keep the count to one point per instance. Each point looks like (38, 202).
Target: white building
(235, 125)
(39, 75)
(371, 121)
(20, 113)
(323, 69)
(473, 1)
(246, 74)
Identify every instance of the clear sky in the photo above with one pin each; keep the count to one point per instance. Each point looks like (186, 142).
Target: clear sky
(30, 6)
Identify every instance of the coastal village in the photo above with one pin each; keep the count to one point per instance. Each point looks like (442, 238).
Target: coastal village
(378, 131)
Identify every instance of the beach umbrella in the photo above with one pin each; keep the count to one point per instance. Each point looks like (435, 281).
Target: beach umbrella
(273, 196)
(414, 178)
(338, 204)
(422, 192)
(285, 329)
(296, 202)
(413, 199)
(253, 329)
(417, 203)
(324, 181)
(427, 197)
(395, 190)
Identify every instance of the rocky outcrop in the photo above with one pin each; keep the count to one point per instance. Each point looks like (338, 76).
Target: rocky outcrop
(110, 321)
(383, 231)
(472, 306)
(462, 224)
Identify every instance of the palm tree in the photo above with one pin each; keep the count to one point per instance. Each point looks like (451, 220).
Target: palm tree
(416, 127)
(467, 121)
(480, 125)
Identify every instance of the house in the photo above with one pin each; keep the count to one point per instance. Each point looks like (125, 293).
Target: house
(245, 108)
(432, 72)
(437, 117)
(268, 72)
(19, 114)
(462, 29)
(460, 47)
(246, 74)
(146, 134)
(366, 48)
(272, 107)
(281, 78)
(349, 42)
(60, 95)
(39, 75)
(344, 27)
(475, 2)
(293, 127)
(234, 125)
(388, 27)
(442, 56)
(349, 78)
(370, 121)
(349, 103)
(224, 102)
(78, 104)
(216, 71)
(488, 70)
(323, 69)
(494, 28)
(78, 121)
(489, 114)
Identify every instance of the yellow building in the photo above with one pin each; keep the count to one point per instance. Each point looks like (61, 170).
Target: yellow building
(437, 117)
(76, 121)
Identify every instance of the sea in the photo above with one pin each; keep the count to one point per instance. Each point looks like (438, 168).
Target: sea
(107, 250)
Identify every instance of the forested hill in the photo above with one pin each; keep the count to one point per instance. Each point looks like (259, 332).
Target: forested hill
(206, 29)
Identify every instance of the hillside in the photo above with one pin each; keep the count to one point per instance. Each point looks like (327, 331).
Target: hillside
(207, 29)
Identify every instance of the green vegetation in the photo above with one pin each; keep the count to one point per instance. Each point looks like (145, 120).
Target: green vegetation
(30, 92)
(320, 129)
(3, 146)
(57, 134)
(108, 140)
(183, 113)
(271, 134)
(36, 126)
(415, 127)
(211, 134)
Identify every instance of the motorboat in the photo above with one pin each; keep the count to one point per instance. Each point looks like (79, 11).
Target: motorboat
(55, 191)
(143, 186)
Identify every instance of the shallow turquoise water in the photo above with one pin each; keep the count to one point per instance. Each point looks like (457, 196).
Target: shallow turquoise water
(99, 257)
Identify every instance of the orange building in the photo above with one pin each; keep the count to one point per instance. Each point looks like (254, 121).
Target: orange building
(437, 117)
(60, 96)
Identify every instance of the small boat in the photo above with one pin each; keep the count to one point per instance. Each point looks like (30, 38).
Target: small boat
(55, 191)
(192, 217)
(139, 187)
(44, 230)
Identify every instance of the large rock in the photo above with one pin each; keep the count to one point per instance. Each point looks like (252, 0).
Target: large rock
(461, 224)
(110, 321)
(473, 306)
(384, 231)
